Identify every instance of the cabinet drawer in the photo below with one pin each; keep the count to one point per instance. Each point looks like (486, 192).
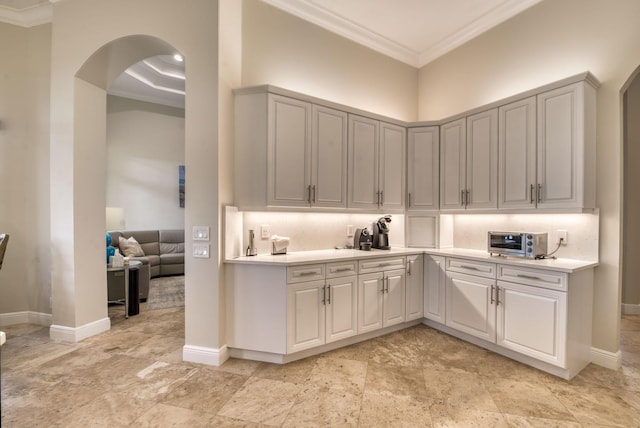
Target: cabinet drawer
(305, 273)
(338, 269)
(470, 267)
(379, 265)
(536, 277)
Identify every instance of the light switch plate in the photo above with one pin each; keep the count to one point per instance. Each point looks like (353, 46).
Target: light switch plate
(200, 233)
(201, 251)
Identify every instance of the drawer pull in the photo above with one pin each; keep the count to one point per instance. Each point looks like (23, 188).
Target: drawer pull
(537, 278)
(342, 270)
(469, 267)
(307, 273)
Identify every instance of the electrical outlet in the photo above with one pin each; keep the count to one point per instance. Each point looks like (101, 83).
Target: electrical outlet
(265, 231)
(350, 231)
(564, 235)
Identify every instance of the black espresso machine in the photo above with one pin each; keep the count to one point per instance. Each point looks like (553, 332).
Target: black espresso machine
(379, 239)
(381, 233)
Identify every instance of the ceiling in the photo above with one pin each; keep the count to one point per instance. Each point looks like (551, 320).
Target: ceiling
(415, 32)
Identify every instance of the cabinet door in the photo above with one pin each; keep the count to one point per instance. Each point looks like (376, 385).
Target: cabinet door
(370, 298)
(305, 315)
(482, 161)
(342, 307)
(363, 162)
(470, 306)
(453, 138)
(532, 321)
(560, 132)
(517, 154)
(414, 288)
(288, 152)
(423, 168)
(329, 158)
(434, 288)
(394, 298)
(391, 173)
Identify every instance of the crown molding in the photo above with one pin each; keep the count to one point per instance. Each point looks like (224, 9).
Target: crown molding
(330, 21)
(311, 12)
(29, 17)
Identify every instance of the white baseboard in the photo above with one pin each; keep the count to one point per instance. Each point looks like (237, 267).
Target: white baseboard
(202, 355)
(25, 317)
(630, 309)
(606, 359)
(76, 334)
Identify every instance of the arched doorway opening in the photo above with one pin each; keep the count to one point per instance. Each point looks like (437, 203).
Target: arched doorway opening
(631, 197)
(79, 292)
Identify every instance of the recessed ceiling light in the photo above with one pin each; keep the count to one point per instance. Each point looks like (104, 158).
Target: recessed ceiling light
(178, 57)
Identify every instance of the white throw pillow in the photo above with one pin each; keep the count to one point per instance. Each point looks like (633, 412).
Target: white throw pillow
(130, 247)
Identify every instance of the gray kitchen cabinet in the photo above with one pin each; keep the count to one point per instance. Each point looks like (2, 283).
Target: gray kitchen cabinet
(566, 147)
(423, 168)
(289, 153)
(517, 181)
(414, 290)
(434, 288)
(376, 164)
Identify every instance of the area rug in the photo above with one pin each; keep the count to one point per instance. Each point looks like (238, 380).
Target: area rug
(165, 292)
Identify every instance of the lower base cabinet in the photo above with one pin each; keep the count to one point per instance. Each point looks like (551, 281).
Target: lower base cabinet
(532, 321)
(381, 300)
(470, 305)
(541, 314)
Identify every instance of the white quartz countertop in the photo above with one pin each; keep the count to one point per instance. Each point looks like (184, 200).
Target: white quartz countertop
(321, 256)
(561, 265)
(336, 255)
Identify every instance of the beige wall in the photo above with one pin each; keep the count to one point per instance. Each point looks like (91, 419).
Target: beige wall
(550, 41)
(282, 50)
(145, 145)
(631, 267)
(24, 167)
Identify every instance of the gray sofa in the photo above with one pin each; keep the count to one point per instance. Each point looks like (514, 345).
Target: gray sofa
(163, 253)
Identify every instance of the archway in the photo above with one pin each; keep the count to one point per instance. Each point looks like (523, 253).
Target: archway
(631, 198)
(79, 304)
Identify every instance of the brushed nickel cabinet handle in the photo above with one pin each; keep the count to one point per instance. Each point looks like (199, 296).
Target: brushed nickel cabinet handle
(462, 197)
(469, 267)
(497, 295)
(382, 197)
(520, 275)
(324, 295)
(309, 193)
(329, 290)
(492, 299)
(307, 273)
(531, 190)
(466, 199)
(314, 193)
(409, 200)
(539, 193)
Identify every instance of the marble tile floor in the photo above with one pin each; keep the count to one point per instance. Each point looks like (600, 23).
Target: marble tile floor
(133, 375)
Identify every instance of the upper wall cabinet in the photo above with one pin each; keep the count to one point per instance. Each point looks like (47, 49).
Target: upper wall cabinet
(469, 162)
(517, 183)
(423, 168)
(547, 150)
(376, 164)
(289, 153)
(566, 147)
